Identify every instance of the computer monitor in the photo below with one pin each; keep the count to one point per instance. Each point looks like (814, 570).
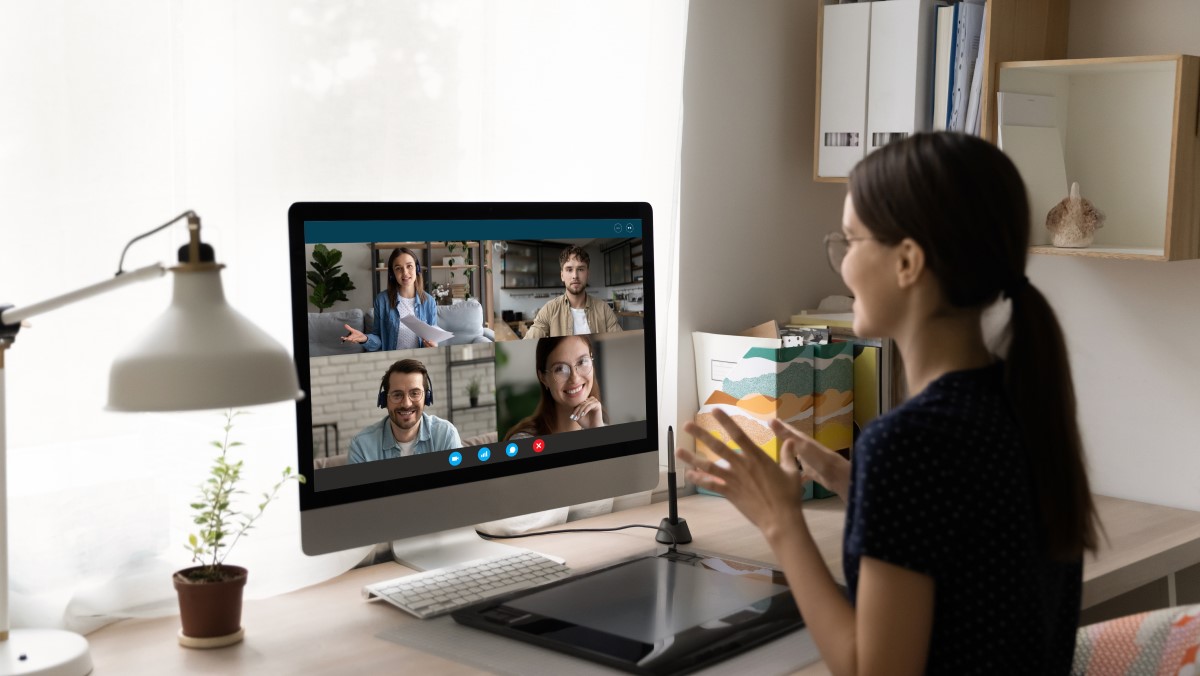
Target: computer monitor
(494, 405)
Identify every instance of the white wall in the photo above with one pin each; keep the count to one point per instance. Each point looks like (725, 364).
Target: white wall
(1131, 326)
(751, 218)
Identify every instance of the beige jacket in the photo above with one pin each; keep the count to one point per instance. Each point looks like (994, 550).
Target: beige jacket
(554, 319)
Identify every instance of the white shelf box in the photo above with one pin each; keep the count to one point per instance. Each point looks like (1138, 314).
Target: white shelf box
(1130, 136)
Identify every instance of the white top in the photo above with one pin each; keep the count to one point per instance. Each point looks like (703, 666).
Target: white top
(406, 448)
(581, 325)
(405, 338)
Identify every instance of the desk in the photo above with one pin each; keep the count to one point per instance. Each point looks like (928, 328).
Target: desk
(329, 629)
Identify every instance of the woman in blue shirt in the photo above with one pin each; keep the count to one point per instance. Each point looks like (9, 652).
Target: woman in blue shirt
(968, 508)
(405, 295)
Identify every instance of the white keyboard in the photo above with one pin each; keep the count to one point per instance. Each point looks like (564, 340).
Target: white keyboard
(437, 592)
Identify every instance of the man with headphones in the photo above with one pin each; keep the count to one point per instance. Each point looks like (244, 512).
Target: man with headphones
(404, 392)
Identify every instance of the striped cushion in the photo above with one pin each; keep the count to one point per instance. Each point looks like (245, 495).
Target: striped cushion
(1154, 643)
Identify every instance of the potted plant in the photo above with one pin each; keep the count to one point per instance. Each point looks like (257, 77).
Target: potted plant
(473, 387)
(210, 593)
(326, 279)
(441, 292)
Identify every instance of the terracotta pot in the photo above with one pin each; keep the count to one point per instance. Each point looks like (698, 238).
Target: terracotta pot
(210, 609)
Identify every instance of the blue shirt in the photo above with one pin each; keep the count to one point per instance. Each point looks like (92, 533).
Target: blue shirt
(377, 443)
(387, 321)
(942, 485)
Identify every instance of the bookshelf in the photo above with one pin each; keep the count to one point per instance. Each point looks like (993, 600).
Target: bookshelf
(1016, 30)
(1130, 134)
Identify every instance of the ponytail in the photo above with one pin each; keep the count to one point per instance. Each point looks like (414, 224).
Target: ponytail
(1038, 380)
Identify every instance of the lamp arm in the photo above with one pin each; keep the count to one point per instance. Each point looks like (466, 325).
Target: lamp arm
(189, 214)
(14, 316)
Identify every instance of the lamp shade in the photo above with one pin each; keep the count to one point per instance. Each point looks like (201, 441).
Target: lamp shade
(201, 354)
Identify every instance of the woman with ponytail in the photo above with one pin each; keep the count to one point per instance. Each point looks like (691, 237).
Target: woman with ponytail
(968, 508)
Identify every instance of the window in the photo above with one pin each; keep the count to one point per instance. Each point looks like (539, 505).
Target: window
(133, 111)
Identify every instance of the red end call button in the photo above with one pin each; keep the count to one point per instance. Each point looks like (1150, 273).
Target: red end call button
(538, 445)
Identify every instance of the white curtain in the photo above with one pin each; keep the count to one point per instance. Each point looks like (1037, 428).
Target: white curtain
(120, 114)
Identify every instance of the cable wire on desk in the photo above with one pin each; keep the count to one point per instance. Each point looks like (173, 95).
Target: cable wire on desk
(488, 536)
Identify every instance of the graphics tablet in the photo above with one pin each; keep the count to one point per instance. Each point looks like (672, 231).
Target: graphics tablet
(667, 614)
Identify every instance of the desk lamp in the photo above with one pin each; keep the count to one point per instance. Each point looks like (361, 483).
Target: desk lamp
(225, 360)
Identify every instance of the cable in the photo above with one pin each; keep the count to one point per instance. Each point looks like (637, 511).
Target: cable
(488, 536)
(121, 263)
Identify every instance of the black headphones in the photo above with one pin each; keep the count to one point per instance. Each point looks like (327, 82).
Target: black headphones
(381, 400)
(416, 260)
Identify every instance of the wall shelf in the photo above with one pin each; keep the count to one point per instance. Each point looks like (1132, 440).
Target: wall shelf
(1129, 128)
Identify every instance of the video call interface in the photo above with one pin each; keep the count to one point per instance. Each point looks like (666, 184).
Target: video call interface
(467, 349)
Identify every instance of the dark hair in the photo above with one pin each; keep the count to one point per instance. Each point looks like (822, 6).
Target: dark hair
(545, 416)
(406, 366)
(961, 199)
(576, 251)
(393, 286)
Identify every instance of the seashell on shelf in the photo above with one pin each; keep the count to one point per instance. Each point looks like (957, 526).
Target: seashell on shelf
(1074, 221)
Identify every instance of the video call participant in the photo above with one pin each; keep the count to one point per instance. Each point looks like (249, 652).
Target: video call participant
(570, 394)
(405, 295)
(574, 313)
(407, 429)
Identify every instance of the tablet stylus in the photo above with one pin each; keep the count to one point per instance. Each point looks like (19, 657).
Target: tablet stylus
(673, 530)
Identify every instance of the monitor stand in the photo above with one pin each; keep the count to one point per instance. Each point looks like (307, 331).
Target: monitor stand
(447, 548)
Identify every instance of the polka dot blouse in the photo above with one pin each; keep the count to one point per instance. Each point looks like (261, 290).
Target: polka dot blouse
(941, 485)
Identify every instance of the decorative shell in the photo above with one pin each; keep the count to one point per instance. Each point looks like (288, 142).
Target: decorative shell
(1074, 221)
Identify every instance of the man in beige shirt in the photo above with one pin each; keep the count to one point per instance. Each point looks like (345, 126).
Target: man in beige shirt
(574, 312)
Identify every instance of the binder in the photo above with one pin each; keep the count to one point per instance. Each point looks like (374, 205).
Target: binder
(900, 70)
(968, 27)
(973, 105)
(845, 45)
(941, 68)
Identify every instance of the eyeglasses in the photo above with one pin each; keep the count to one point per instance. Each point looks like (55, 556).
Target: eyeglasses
(561, 371)
(397, 396)
(837, 245)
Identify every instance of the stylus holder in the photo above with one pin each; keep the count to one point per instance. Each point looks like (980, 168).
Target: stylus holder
(678, 530)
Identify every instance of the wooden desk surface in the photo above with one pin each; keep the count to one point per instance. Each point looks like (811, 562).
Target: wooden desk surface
(329, 629)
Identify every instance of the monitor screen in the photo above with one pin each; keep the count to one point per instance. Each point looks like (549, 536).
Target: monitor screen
(467, 362)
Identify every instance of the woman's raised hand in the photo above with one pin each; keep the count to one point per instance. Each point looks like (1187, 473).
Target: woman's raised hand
(767, 493)
(820, 464)
(355, 336)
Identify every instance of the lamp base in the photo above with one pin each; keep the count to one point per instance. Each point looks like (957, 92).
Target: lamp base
(44, 652)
